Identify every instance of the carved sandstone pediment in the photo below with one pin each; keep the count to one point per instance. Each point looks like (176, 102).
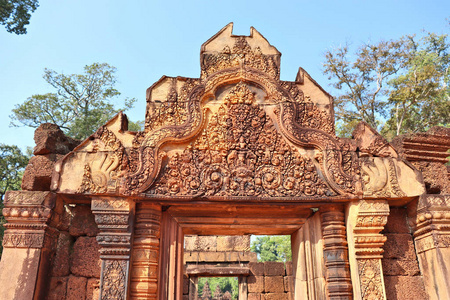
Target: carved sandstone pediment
(237, 131)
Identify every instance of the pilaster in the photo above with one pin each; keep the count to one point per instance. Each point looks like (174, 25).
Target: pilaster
(432, 241)
(29, 240)
(114, 218)
(335, 254)
(365, 221)
(145, 255)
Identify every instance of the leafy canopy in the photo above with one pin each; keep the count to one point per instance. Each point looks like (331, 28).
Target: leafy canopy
(397, 86)
(16, 14)
(225, 284)
(80, 104)
(273, 248)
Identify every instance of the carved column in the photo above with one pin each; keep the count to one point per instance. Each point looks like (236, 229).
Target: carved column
(29, 239)
(145, 256)
(115, 222)
(432, 240)
(365, 221)
(335, 253)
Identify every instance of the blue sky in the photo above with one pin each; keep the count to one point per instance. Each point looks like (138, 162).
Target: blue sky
(147, 39)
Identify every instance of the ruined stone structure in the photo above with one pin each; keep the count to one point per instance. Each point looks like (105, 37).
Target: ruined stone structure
(235, 152)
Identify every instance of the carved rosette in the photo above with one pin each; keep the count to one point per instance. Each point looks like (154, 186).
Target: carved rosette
(335, 250)
(32, 218)
(432, 223)
(113, 219)
(370, 220)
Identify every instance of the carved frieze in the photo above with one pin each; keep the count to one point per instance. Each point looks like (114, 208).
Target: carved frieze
(31, 218)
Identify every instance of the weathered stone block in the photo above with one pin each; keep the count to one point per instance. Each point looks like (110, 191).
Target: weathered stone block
(190, 242)
(396, 222)
(289, 268)
(289, 283)
(76, 288)
(255, 284)
(276, 296)
(254, 296)
(405, 287)
(274, 284)
(85, 259)
(225, 243)
(241, 243)
(93, 289)
(49, 138)
(400, 267)
(274, 268)
(399, 246)
(58, 288)
(38, 173)
(61, 261)
(207, 243)
(256, 268)
(83, 222)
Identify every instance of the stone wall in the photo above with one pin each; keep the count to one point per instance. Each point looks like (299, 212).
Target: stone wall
(270, 281)
(402, 276)
(75, 268)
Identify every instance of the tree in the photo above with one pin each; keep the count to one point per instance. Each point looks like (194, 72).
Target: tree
(80, 105)
(12, 165)
(273, 248)
(420, 94)
(403, 83)
(362, 79)
(16, 14)
(226, 284)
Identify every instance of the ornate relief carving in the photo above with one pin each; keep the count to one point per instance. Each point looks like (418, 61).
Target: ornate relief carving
(380, 177)
(370, 220)
(173, 111)
(23, 240)
(31, 217)
(340, 162)
(114, 279)
(240, 55)
(241, 153)
(370, 277)
(113, 219)
(432, 223)
(102, 171)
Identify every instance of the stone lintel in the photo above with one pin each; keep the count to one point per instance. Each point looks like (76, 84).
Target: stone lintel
(205, 270)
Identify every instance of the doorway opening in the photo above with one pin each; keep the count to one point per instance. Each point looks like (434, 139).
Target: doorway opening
(218, 288)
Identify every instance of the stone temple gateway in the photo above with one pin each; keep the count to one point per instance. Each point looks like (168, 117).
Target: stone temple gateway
(235, 152)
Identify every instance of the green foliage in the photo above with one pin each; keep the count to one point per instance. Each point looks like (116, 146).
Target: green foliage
(229, 284)
(402, 83)
(16, 14)
(80, 105)
(12, 166)
(273, 248)
(361, 78)
(420, 94)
